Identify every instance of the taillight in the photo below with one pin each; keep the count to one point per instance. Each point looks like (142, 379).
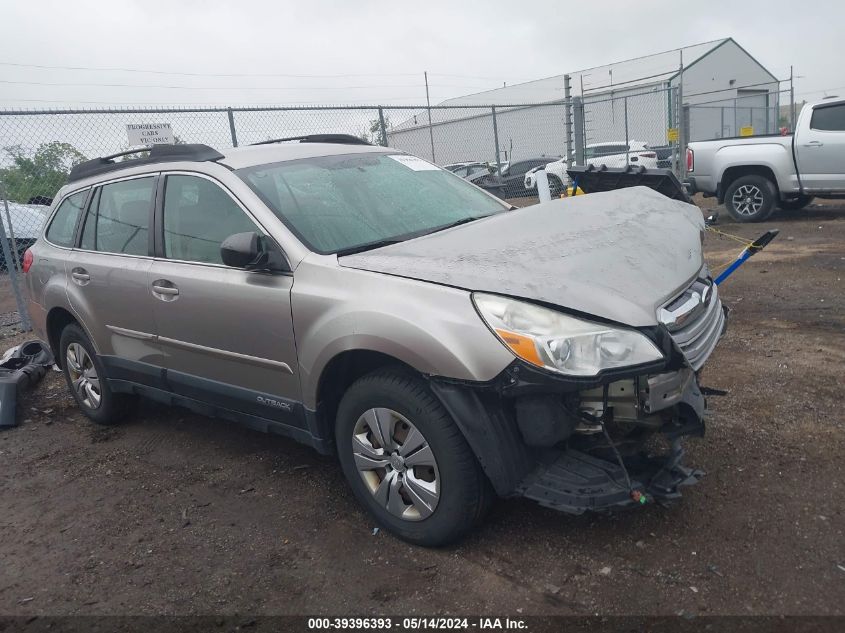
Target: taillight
(648, 155)
(690, 159)
(27, 260)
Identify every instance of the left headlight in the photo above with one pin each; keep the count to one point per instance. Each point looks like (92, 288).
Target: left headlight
(562, 343)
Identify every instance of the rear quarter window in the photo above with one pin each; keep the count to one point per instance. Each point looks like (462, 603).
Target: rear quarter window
(63, 226)
(829, 118)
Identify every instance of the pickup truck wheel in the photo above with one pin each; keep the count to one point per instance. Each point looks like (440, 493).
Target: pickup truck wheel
(87, 379)
(795, 204)
(407, 462)
(750, 198)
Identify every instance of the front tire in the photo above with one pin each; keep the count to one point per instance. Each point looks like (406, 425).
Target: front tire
(750, 198)
(86, 378)
(406, 460)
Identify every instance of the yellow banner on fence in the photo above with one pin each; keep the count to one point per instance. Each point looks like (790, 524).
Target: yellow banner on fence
(746, 130)
(672, 135)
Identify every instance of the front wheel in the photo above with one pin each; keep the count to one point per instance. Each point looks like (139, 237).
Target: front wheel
(795, 204)
(750, 198)
(407, 462)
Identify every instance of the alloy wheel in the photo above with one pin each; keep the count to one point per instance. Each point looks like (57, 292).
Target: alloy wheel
(396, 464)
(747, 200)
(83, 375)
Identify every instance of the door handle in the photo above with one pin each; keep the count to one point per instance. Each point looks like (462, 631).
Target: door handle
(165, 290)
(80, 276)
(814, 144)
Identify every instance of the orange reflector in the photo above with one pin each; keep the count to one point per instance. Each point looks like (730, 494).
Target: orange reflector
(522, 346)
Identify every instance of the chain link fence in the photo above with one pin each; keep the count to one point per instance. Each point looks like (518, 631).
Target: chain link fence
(639, 126)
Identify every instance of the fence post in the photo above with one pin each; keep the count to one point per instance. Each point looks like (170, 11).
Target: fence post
(382, 128)
(496, 138)
(578, 112)
(567, 99)
(627, 148)
(232, 127)
(430, 127)
(722, 122)
(791, 102)
(736, 127)
(11, 266)
(682, 132)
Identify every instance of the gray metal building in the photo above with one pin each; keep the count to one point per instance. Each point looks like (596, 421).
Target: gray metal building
(724, 89)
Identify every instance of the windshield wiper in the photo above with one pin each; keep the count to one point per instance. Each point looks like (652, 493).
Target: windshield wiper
(395, 240)
(457, 223)
(367, 247)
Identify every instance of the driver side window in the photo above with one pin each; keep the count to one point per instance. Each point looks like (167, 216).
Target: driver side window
(198, 216)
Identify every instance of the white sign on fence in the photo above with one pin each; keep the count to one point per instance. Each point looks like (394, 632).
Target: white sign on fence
(149, 133)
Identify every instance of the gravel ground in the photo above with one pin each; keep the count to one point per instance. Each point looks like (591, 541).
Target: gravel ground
(179, 514)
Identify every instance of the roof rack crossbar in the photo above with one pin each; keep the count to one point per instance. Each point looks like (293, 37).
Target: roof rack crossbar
(342, 139)
(157, 154)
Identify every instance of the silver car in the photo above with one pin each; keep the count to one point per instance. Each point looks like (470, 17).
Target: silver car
(446, 347)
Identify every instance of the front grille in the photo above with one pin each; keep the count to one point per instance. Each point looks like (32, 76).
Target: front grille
(695, 319)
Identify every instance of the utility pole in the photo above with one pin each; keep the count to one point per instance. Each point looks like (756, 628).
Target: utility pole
(791, 102)
(428, 107)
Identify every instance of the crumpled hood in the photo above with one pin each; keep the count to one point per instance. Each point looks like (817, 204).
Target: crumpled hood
(617, 255)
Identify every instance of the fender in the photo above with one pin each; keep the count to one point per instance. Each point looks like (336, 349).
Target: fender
(440, 330)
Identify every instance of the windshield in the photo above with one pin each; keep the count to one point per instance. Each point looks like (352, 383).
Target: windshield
(341, 203)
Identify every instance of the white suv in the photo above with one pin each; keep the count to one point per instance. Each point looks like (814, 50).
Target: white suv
(611, 154)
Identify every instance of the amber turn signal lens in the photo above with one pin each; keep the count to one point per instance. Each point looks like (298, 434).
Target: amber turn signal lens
(522, 346)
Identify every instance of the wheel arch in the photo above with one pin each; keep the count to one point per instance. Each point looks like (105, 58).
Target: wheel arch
(58, 319)
(732, 174)
(337, 376)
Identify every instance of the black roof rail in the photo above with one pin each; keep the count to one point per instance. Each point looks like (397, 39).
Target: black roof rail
(341, 139)
(157, 154)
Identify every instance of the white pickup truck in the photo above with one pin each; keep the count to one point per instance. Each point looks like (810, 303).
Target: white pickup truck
(752, 175)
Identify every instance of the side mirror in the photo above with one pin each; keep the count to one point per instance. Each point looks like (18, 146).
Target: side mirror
(252, 251)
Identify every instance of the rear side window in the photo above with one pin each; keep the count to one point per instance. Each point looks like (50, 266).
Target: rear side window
(198, 216)
(63, 226)
(831, 118)
(119, 218)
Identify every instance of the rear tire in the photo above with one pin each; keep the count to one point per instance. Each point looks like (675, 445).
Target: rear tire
(86, 378)
(750, 198)
(406, 460)
(795, 204)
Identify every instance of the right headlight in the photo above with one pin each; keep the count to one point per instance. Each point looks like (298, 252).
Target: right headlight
(562, 343)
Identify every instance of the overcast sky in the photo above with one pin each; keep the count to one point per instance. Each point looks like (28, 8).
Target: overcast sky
(214, 52)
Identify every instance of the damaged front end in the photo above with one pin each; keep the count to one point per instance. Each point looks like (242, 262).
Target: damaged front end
(597, 443)
(617, 444)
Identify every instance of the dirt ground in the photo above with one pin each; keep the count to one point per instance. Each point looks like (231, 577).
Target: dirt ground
(179, 514)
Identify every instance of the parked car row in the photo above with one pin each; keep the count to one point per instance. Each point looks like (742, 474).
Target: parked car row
(514, 181)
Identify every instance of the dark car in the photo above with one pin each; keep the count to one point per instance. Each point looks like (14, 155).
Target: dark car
(510, 184)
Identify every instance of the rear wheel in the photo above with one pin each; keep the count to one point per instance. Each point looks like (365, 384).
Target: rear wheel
(750, 198)
(407, 462)
(795, 204)
(86, 378)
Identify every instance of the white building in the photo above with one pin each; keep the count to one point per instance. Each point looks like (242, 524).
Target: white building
(724, 88)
